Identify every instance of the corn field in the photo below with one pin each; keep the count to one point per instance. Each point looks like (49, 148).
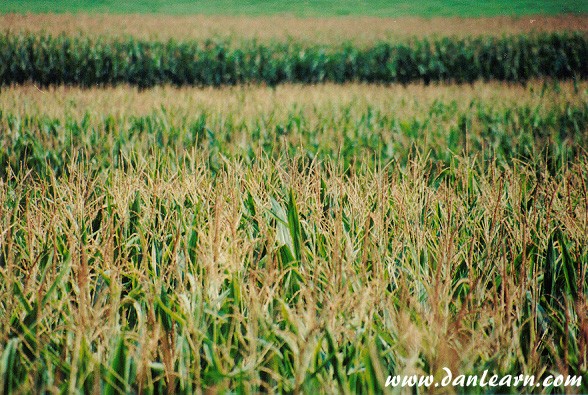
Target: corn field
(89, 61)
(298, 239)
(359, 136)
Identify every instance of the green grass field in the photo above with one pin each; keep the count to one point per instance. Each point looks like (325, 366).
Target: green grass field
(383, 8)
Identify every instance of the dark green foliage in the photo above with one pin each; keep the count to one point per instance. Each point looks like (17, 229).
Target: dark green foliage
(48, 60)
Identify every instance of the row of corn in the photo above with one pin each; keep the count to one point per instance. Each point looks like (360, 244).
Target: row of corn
(78, 60)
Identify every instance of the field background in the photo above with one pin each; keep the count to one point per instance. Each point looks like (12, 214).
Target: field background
(380, 8)
(360, 30)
